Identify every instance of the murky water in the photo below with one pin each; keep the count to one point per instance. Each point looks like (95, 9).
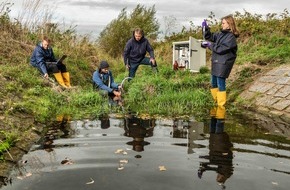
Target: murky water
(133, 153)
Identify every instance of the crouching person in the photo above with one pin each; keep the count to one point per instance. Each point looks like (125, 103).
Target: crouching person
(103, 80)
(43, 59)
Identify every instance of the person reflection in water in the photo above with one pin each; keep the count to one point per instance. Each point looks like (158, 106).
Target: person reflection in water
(105, 122)
(138, 129)
(220, 158)
(58, 130)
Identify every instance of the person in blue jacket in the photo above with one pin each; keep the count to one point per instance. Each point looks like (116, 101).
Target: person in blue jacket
(103, 80)
(224, 48)
(135, 52)
(43, 59)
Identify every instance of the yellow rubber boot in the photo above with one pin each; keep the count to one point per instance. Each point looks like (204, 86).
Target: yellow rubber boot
(66, 79)
(213, 92)
(213, 112)
(221, 98)
(220, 112)
(59, 79)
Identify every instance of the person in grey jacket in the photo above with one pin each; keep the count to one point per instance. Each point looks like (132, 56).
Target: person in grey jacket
(135, 51)
(224, 48)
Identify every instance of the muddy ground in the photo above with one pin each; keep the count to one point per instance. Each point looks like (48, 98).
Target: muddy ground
(28, 133)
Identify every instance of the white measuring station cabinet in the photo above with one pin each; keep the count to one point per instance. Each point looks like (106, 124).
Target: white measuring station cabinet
(189, 55)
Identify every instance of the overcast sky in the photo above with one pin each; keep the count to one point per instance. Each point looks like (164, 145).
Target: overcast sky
(94, 15)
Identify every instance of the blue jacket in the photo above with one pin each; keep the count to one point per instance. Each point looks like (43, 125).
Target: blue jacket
(135, 51)
(104, 81)
(224, 52)
(40, 56)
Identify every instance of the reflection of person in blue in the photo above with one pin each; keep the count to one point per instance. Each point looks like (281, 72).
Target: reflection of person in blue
(220, 154)
(138, 129)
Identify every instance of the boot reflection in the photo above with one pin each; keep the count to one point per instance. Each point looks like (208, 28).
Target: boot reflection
(138, 129)
(220, 157)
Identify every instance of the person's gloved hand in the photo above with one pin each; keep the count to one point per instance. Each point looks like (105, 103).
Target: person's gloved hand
(204, 24)
(205, 44)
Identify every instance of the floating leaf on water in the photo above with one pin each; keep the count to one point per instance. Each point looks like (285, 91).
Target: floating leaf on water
(90, 182)
(125, 153)
(119, 151)
(162, 168)
(67, 161)
(274, 183)
(120, 167)
(124, 161)
(24, 176)
(20, 177)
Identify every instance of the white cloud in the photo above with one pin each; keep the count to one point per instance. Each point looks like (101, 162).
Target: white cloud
(98, 13)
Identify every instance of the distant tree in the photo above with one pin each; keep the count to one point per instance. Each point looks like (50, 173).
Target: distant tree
(115, 35)
(170, 23)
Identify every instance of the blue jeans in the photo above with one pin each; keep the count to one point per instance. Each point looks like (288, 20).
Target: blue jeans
(218, 82)
(134, 66)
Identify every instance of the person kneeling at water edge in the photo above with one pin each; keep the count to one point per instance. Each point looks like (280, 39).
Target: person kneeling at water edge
(104, 81)
(43, 59)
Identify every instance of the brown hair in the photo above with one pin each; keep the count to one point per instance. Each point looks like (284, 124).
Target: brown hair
(139, 31)
(230, 20)
(45, 38)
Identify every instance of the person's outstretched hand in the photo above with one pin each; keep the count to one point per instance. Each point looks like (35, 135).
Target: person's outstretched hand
(204, 24)
(117, 93)
(45, 76)
(127, 66)
(205, 44)
(152, 60)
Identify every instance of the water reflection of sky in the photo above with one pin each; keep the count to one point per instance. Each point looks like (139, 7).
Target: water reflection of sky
(192, 154)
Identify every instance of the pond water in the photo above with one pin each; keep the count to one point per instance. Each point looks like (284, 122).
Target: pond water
(140, 154)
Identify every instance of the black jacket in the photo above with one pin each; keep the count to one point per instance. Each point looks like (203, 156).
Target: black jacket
(224, 52)
(135, 51)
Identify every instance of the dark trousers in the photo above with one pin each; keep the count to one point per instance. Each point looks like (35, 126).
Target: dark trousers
(134, 66)
(55, 68)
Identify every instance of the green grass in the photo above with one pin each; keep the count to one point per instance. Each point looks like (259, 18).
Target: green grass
(9, 139)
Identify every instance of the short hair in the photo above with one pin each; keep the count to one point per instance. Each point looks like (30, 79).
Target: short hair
(139, 31)
(45, 38)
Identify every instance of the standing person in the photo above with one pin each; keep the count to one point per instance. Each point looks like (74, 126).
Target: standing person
(104, 81)
(135, 51)
(43, 59)
(224, 48)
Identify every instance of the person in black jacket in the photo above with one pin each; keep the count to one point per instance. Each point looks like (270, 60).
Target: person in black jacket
(224, 48)
(135, 51)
